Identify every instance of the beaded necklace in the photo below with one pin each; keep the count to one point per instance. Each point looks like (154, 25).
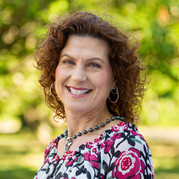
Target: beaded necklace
(69, 140)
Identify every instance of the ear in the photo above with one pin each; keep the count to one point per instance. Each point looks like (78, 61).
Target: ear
(113, 84)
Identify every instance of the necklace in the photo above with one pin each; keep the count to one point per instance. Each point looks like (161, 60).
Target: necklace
(69, 140)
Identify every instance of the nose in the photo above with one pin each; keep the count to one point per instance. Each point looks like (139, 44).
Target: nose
(79, 74)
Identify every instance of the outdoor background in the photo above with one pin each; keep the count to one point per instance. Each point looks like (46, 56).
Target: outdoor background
(26, 124)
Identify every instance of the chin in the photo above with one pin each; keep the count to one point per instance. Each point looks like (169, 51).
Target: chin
(76, 108)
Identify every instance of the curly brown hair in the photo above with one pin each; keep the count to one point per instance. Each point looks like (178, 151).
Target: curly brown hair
(124, 62)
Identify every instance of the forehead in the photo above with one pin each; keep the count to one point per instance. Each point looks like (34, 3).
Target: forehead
(86, 46)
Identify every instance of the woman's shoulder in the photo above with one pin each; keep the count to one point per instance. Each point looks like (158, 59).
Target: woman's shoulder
(52, 146)
(129, 151)
(123, 137)
(127, 132)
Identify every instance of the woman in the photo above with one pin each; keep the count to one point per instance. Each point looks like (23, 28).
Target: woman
(91, 77)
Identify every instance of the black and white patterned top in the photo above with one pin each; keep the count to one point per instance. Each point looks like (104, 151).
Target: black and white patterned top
(119, 152)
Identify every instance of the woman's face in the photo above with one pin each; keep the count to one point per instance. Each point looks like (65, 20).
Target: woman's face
(83, 77)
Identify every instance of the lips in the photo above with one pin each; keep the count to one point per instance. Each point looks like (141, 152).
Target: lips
(78, 91)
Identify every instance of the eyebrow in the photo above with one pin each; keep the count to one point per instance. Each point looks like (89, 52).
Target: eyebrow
(67, 56)
(90, 59)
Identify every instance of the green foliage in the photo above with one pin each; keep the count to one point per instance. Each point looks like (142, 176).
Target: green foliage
(154, 23)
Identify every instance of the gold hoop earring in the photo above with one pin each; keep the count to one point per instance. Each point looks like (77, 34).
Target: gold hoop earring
(114, 92)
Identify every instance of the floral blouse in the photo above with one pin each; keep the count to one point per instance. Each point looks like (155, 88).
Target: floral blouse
(120, 152)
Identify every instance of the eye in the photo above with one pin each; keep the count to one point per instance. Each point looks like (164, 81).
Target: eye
(94, 65)
(68, 62)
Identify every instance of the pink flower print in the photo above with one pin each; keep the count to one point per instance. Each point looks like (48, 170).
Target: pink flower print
(49, 147)
(69, 163)
(47, 152)
(108, 143)
(92, 159)
(69, 152)
(64, 157)
(56, 158)
(121, 124)
(115, 128)
(152, 169)
(102, 176)
(95, 150)
(70, 159)
(135, 133)
(116, 136)
(46, 161)
(89, 145)
(53, 144)
(96, 140)
(128, 165)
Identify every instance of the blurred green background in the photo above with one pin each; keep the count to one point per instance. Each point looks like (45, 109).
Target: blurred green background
(26, 124)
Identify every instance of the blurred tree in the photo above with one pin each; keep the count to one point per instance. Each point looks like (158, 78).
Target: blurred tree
(154, 23)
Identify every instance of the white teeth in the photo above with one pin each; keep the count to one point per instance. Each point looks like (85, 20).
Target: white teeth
(78, 92)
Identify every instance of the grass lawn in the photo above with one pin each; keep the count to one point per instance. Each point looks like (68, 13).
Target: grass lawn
(22, 154)
(165, 159)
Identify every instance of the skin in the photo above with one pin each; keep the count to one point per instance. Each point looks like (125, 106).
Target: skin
(84, 65)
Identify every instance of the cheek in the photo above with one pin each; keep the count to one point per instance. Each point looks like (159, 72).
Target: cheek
(105, 79)
(59, 81)
(60, 75)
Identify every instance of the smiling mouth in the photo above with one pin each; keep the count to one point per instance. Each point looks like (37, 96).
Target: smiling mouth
(78, 91)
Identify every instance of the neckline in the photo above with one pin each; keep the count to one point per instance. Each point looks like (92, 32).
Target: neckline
(95, 140)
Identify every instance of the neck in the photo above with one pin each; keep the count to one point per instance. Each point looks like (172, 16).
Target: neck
(77, 122)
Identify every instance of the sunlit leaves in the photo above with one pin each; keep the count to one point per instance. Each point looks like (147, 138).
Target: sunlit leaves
(24, 23)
